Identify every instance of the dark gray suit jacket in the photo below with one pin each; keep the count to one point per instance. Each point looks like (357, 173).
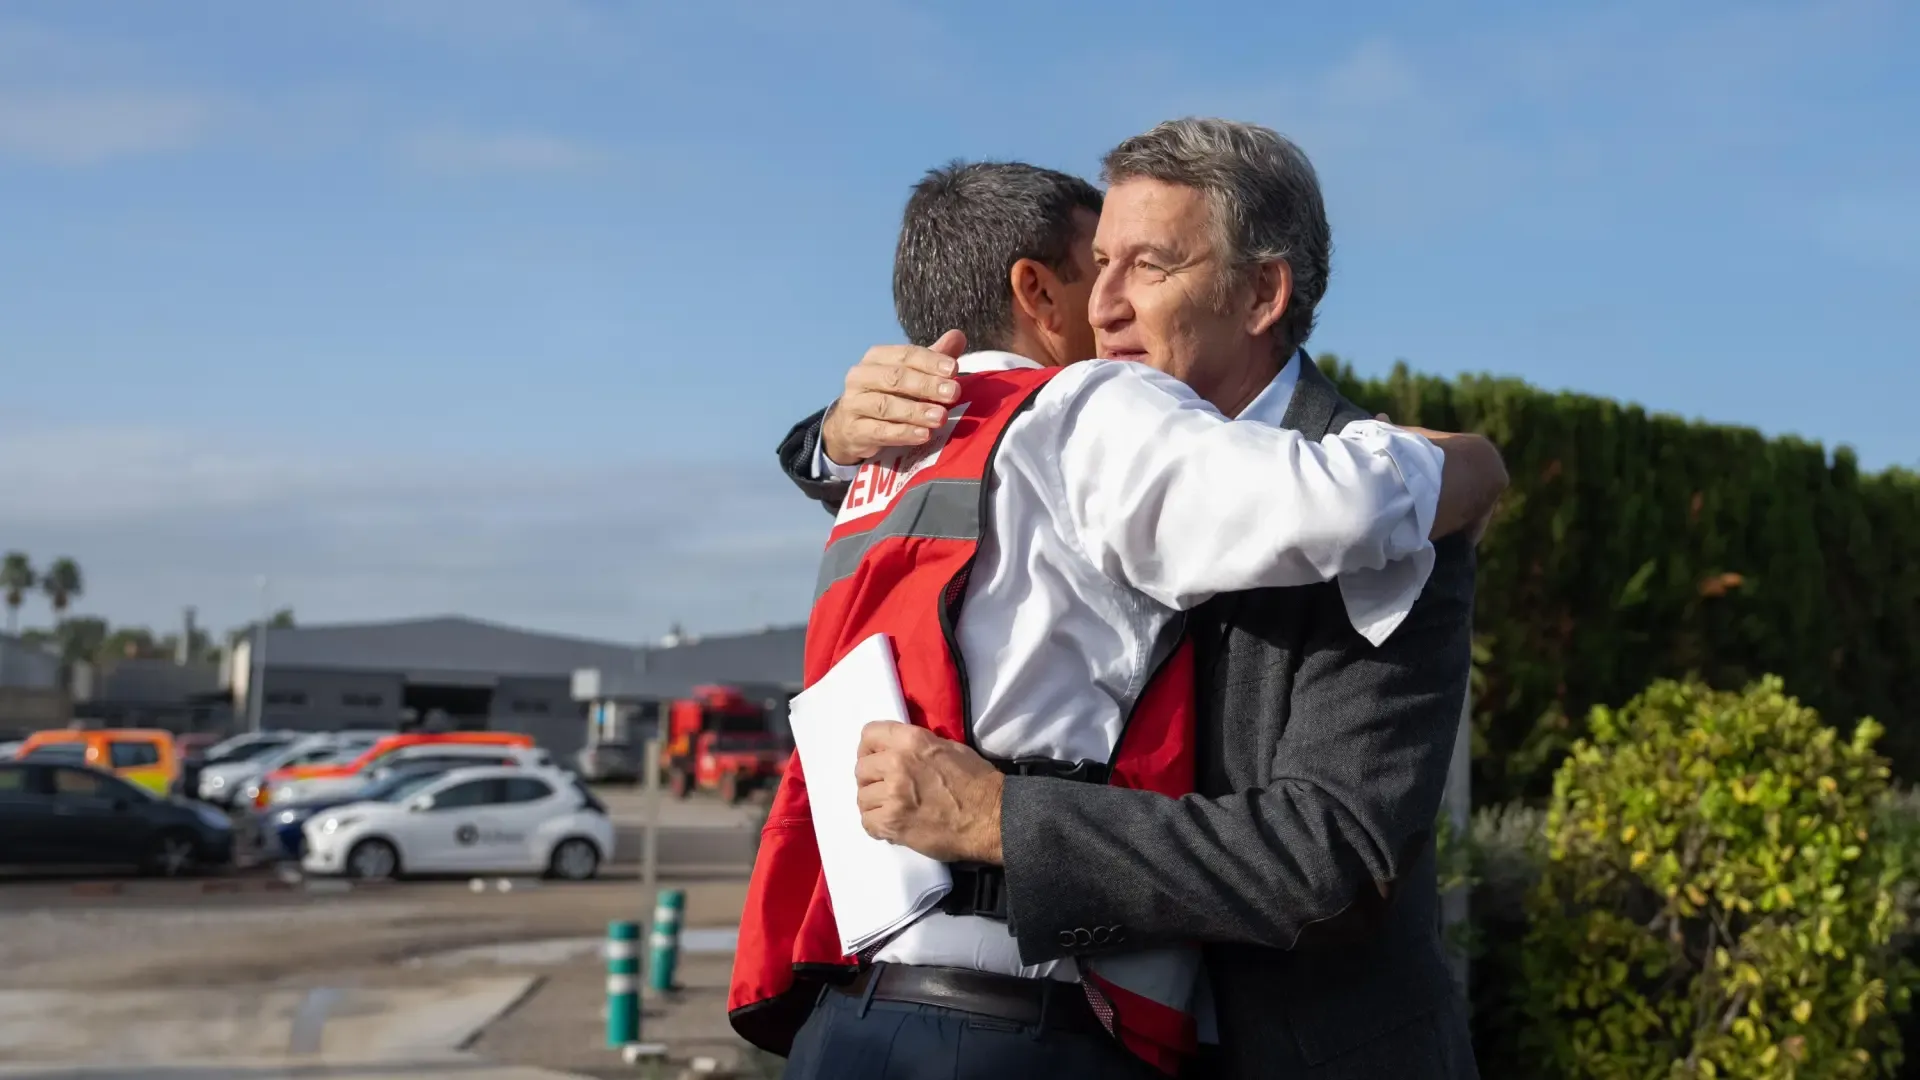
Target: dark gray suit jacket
(1305, 863)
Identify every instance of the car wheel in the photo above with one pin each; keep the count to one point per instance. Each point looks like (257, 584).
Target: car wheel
(730, 788)
(574, 859)
(172, 854)
(680, 782)
(373, 860)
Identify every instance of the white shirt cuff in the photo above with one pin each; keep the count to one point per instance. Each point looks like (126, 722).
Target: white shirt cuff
(1378, 600)
(825, 468)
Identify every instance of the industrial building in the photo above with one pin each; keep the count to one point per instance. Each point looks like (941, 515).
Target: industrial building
(31, 694)
(456, 672)
(622, 702)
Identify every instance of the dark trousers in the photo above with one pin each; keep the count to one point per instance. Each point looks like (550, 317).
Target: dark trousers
(848, 1038)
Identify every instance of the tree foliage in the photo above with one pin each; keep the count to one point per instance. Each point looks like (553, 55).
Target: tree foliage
(62, 583)
(1633, 547)
(1722, 896)
(17, 577)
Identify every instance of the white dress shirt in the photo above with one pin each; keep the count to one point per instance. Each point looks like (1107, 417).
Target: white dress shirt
(1120, 499)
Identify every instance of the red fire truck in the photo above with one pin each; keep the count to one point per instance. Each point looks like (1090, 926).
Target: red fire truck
(720, 740)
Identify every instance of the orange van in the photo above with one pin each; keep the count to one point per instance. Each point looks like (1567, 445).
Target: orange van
(140, 756)
(385, 746)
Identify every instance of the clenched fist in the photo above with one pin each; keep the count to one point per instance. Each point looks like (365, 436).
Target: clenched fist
(927, 793)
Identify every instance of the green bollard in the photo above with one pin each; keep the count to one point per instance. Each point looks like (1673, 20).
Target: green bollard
(623, 983)
(665, 940)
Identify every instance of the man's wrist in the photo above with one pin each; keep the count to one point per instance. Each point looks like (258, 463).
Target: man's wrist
(824, 467)
(984, 844)
(826, 455)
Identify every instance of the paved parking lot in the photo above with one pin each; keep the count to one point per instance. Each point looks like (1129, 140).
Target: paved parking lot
(152, 971)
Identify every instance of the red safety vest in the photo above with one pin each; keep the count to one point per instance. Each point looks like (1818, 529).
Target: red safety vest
(897, 563)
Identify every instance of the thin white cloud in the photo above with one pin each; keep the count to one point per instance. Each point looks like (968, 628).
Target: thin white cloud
(159, 520)
(500, 153)
(90, 128)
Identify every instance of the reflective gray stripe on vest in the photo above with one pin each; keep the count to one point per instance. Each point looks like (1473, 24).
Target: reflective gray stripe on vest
(937, 510)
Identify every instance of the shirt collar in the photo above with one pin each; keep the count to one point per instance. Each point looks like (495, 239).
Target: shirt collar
(993, 360)
(1270, 407)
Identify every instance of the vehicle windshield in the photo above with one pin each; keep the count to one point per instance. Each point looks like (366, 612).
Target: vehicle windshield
(64, 752)
(297, 755)
(743, 741)
(736, 722)
(395, 788)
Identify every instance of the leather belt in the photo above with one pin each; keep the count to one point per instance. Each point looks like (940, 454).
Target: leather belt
(1044, 1003)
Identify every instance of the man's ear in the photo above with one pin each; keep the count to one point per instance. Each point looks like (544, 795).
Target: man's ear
(1272, 288)
(1032, 287)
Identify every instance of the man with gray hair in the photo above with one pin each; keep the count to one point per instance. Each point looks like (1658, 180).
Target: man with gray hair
(1304, 864)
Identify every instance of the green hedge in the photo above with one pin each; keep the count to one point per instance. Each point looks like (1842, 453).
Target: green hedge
(1635, 546)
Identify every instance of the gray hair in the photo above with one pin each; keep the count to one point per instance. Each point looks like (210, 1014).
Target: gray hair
(1265, 198)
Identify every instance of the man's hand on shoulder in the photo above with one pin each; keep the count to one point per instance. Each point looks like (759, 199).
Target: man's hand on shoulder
(895, 396)
(927, 793)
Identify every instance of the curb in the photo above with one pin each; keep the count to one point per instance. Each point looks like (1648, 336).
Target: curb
(136, 889)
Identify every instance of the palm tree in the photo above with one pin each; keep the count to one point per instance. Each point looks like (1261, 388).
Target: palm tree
(16, 577)
(62, 584)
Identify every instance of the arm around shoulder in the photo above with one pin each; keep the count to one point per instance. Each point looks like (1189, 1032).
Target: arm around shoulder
(1168, 497)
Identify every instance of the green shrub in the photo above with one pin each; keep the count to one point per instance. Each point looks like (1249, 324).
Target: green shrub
(1721, 897)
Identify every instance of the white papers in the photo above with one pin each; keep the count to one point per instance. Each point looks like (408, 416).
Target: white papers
(877, 887)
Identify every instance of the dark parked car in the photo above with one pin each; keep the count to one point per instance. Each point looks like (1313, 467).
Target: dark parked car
(71, 815)
(608, 762)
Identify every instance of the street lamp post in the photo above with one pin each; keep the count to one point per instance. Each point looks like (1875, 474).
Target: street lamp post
(257, 667)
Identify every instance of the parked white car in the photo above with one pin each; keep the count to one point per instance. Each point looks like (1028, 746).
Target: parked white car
(490, 819)
(448, 754)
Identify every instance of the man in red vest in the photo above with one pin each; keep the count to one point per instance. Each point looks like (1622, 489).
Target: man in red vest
(1031, 558)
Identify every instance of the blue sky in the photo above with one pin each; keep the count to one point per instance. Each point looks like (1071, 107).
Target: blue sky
(499, 307)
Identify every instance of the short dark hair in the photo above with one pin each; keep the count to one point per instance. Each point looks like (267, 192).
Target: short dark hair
(964, 228)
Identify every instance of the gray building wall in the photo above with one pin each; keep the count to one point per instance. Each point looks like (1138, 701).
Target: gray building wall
(315, 700)
(309, 700)
(543, 708)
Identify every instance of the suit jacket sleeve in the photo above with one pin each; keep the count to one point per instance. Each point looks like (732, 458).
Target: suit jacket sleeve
(1356, 783)
(796, 460)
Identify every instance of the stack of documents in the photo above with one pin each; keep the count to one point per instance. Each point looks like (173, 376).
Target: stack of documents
(878, 888)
